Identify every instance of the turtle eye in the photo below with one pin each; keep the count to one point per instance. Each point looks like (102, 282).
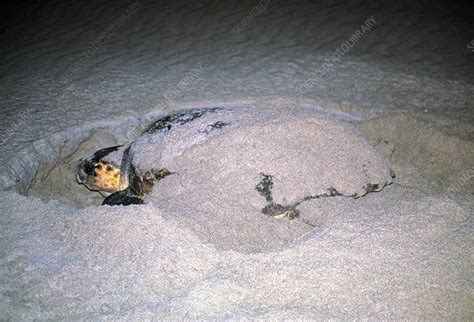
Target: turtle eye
(88, 168)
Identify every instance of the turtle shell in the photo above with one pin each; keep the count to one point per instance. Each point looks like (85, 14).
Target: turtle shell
(257, 157)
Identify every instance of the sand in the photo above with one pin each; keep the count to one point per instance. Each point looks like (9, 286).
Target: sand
(403, 252)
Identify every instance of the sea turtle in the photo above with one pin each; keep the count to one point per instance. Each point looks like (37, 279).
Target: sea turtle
(273, 159)
(127, 184)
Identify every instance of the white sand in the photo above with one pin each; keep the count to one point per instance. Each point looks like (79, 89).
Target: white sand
(405, 252)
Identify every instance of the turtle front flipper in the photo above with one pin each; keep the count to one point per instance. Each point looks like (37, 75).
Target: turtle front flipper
(124, 198)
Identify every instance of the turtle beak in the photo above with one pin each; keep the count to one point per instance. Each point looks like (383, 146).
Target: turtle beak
(78, 178)
(81, 174)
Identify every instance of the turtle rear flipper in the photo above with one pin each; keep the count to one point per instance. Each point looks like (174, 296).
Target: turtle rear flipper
(124, 198)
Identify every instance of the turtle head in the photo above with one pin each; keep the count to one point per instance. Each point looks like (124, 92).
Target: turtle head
(98, 174)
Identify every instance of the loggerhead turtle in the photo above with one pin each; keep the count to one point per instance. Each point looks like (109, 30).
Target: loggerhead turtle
(126, 184)
(274, 153)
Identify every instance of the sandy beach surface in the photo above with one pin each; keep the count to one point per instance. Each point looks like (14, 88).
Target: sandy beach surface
(394, 81)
